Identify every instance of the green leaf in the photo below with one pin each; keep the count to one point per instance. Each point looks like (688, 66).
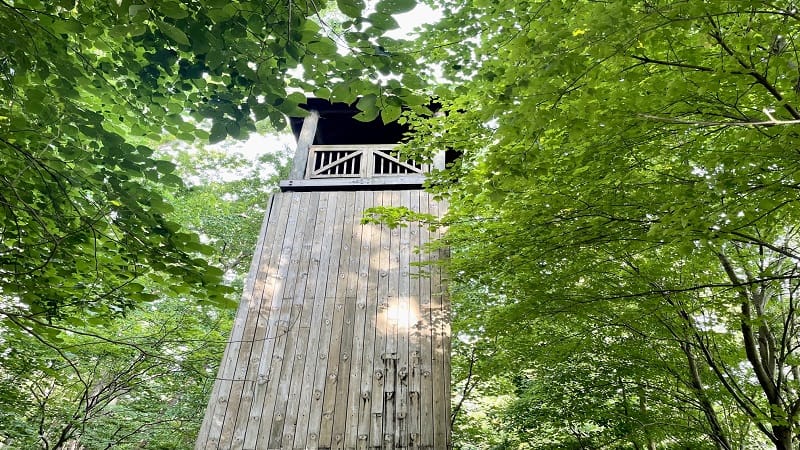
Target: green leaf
(67, 26)
(383, 21)
(413, 81)
(351, 8)
(343, 92)
(367, 116)
(261, 111)
(165, 166)
(322, 92)
(173, 10)
(214, 59)
(218, 132)
(173, 33)
(222, 13)
(367, 102)
(325, 47)
(296, 98)
(138, 11)
(390, 113)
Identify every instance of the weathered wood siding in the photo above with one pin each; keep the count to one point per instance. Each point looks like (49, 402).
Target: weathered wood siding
(342, 340)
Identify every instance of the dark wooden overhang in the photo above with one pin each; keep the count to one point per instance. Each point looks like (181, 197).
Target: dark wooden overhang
(337, 126)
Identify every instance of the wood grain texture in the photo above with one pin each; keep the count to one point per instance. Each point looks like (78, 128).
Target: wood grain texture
(342, 337)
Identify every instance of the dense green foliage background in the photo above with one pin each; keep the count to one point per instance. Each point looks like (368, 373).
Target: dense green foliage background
(142, 380)
(624, 222)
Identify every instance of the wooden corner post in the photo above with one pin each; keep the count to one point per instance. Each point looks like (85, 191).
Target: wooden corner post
(304, 142)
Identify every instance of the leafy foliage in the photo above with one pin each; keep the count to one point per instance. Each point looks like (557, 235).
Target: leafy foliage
(89, 85)
(142, 381)
(627, 200)
(225, 199)
(111, 387)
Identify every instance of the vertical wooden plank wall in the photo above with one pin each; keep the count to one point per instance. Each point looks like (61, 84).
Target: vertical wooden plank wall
(341, 340)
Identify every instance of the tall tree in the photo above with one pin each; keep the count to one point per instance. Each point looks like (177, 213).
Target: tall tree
(629, 185)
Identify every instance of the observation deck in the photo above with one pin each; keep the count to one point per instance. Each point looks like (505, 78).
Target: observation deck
(336, 152)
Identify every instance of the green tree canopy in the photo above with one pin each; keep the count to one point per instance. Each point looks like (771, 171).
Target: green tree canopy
(90, 87)
(627, 199)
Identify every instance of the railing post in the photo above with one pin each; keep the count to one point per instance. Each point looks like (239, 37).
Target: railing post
(304, 141)
(439, 160)
(367, 163)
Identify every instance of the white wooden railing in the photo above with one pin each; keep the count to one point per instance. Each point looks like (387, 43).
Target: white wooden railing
(359, 161)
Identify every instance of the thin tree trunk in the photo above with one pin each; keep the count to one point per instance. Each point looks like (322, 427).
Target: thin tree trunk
(717, 434)
(646, 427)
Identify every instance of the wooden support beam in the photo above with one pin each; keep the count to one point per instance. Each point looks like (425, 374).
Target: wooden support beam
(304, 142)
(351, 184)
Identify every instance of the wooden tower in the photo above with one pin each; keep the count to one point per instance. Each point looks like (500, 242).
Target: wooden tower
(341, 340)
